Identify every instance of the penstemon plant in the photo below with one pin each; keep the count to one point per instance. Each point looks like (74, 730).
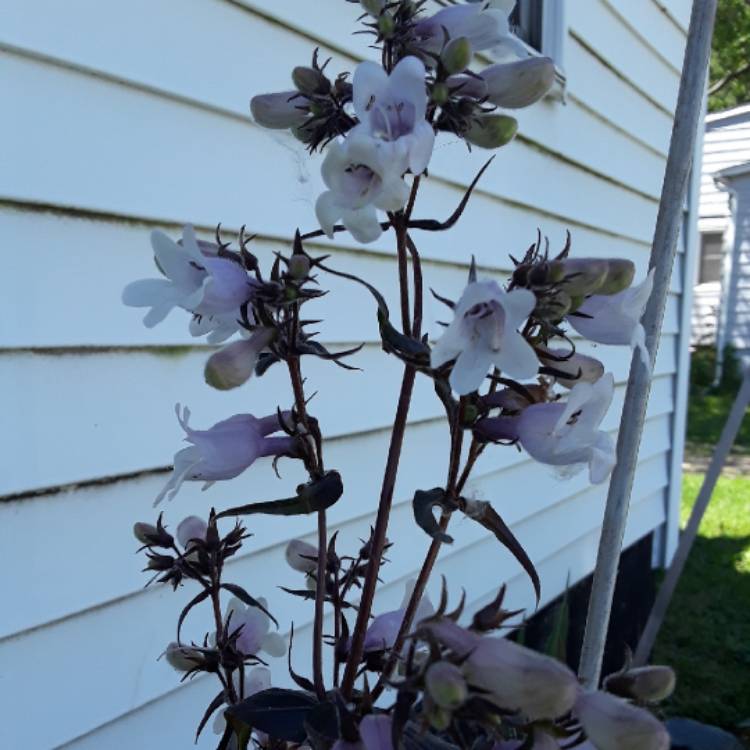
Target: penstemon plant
(505, 370)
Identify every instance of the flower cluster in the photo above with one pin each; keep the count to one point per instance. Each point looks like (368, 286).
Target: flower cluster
(506, 369)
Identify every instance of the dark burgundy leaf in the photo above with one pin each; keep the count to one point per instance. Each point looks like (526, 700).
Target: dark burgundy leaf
(244, 597)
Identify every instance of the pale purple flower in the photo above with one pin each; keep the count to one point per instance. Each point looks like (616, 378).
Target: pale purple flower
(301, 556)
(615, 318)
(484, 334)
(383, 630)
(391, 109)
(235, 363)
(519, 83)
(256, 635)
(613, 724)
(190, 528)
(361, 178)
(210, 287)
(564, 434)
(223, 451)
(485, 27)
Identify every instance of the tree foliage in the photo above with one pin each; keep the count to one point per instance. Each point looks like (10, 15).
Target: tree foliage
(730, 60)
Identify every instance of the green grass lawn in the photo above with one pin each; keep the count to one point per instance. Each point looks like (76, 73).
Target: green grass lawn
(707, 414)
(706, 635)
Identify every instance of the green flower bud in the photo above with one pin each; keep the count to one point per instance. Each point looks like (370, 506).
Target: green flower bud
(457, 55)
(299, 267)
(619, 276)
(145, 533)
(492, 131)
(309, 81)
(584, 275)
(440, 93)
(446, 685)
(553, 306)
(386, 25)
(439, 717)
(648, 684)
(373, 7)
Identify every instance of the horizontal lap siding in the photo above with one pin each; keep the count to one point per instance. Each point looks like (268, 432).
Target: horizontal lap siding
(124, 129)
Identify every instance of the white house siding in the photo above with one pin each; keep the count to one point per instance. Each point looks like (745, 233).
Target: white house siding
(122, 117)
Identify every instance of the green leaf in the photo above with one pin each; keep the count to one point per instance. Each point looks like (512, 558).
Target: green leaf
(556, 644)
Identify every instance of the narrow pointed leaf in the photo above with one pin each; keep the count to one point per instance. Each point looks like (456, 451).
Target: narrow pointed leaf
(201, 596)
(245, 598)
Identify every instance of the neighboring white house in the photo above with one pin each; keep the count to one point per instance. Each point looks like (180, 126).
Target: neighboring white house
(122, 117)
(726, 157)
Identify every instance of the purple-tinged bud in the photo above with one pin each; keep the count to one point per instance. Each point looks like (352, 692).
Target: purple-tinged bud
(613, 724)
(278, 111)
(584, 275)
(182, 658)
(189, 528)
(233, 365)
(456, 55)
(579, 368)
(467, 85)
(620, 275)
(492, 131)
(648, 684)
(511, 400)
(519, 84)
(301, 556)
(519, 679)
(310, 81)
(491, 429)
(446, 685)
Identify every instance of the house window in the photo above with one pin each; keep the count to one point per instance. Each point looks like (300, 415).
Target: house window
(527, 22)
(540, 24)
(712, 257)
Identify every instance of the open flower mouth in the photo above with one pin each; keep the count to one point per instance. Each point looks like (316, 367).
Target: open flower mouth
(391, 121)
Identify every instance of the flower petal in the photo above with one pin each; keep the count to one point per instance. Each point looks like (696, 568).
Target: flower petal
(470, 369)
(328, 212)
(274, 644)
(369, 81)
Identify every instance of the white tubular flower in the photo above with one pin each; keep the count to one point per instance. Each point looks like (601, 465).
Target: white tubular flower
(301, 556)
(182, 658)
(233, 365)
(519, 679)
(573, 369)
(613, 724)
(483, 26)
(518, 84)
(616, 318)
(568, 433)
(210, 287)
(484, 333)
(189, 528)
(360, 179)
(391, 109)
(254, 636)
(224, 451)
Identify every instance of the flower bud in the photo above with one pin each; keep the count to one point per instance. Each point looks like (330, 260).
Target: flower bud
(301, 556)
(467, 85)
(233, 365)
(519, 84)
(519, 679)
(189, 528)
(579, 368)
(278, 111)
(386, 25)
(439, 718)
(584, 275)
(620, 276)
(553, 307)
(440, 93)
(182, 658)
(145, 533)
(446, 685)
(648, 684)
(310, 81)
(457, 55)
(613, 724)
(491, 131)
(299, 266)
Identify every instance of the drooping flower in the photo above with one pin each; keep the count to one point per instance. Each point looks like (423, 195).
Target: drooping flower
(572, 369)
(360, 179)
(234, 364)
(280, 110)
(223, 451)
(568, 433)
(182, 658)
(650, 684)
(484, 333)
(613, 724)
(616, 318)
(391, 109)
(190, 528)
(485, 27)
(519, 83)
(256, 635)
(301, 556)
(211, 287)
